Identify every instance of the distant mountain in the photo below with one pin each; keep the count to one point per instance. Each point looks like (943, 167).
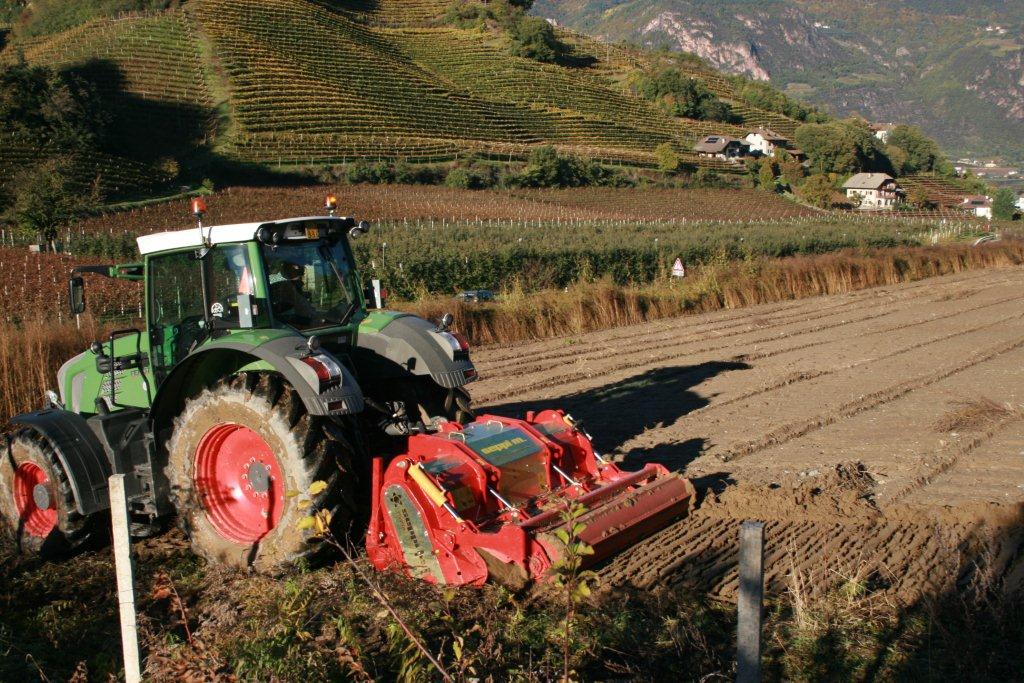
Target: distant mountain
(954, 67)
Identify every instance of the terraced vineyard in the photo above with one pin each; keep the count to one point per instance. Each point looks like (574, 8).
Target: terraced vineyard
(297, 82)
(150, 75)
(944, 192)
(878, 434)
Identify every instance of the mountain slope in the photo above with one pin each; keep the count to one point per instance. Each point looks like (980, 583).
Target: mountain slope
(954, 67)
(310, 82)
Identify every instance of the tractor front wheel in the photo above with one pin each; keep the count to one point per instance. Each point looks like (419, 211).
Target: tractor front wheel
(434, 402)
(238, 454)
(36, 501)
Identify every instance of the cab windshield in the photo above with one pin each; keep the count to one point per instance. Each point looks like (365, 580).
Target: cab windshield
(310, 283)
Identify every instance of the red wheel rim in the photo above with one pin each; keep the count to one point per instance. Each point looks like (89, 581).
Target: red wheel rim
(240, 483)
(34, 500)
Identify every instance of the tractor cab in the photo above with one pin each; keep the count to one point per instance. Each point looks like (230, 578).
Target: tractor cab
(297, 275)
(294, 277)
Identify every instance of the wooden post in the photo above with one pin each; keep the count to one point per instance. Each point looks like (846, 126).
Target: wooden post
(125, 583)
(748, 629)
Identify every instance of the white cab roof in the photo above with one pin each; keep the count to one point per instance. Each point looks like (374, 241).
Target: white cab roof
(217, 234)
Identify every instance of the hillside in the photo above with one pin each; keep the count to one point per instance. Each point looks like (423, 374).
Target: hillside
(286, 83)
(955, 68)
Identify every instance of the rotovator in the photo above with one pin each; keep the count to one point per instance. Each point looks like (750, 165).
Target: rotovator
(485, 499)
(260, 370)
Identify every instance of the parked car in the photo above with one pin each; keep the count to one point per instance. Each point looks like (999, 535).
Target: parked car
(476, 295)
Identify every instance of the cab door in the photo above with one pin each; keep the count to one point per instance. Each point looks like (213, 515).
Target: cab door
(175, 308)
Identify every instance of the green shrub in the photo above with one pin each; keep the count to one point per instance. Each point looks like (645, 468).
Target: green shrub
(534, 38)
(547, 168)
(459, 178)
(707, 177)
(818, 190)
(667, 157)
(681, 95)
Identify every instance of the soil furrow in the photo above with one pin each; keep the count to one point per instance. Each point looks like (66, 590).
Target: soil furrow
(797, 429)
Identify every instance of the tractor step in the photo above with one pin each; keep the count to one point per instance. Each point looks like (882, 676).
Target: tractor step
(487, 501)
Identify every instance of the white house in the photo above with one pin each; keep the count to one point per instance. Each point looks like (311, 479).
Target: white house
(873, 190)
(764, 142)
(882, 131)
(979, 205)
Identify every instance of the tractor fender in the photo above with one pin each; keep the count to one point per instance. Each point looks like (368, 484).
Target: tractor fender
(80, 454)
(215, 361)
(415, 345)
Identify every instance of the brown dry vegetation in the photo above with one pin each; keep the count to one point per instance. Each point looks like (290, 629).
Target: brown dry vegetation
(411, 202)
(583, 308)
(972, 415)
(31, 352)
(30, 355)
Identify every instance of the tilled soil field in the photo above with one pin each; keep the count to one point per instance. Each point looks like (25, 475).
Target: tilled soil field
(879, 435)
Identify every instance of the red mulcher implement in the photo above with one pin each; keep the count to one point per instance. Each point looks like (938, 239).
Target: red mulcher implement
(485, 500)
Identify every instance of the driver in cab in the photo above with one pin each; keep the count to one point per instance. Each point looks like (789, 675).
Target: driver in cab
(288, 294)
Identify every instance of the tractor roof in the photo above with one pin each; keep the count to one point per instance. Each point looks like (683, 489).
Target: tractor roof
(217, 234)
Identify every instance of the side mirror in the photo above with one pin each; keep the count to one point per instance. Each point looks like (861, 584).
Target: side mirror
(76, 294)
(445, 322)
(361, 229)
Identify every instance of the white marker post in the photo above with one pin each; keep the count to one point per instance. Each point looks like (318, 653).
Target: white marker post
(125, 582)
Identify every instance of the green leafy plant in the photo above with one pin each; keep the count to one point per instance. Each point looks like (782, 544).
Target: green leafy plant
(318, 523)
(568, 575)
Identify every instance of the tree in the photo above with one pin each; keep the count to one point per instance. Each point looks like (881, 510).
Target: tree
(534, 38)
(58, 112)
(764, 96)
(791, 170)
(920, 152)
(841, 147)
(48, 199)
(1004, 204)
(667, 157)
(766, 176)
(681, 95)
(818, 190)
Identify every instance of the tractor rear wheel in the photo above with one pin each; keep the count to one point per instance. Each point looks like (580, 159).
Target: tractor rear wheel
(237, 454)
(36, 501)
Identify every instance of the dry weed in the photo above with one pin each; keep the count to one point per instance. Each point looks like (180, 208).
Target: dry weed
(973, 415)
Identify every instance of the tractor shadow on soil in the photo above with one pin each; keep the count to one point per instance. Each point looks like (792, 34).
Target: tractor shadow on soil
(615, 413)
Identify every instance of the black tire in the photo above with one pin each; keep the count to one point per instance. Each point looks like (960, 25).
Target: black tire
(434, 401)
(71, 530)
(307, 449)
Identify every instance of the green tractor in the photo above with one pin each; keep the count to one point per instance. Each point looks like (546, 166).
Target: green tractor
(260, 370)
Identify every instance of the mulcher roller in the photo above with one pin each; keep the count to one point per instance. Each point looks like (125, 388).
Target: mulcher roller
(485, 501)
